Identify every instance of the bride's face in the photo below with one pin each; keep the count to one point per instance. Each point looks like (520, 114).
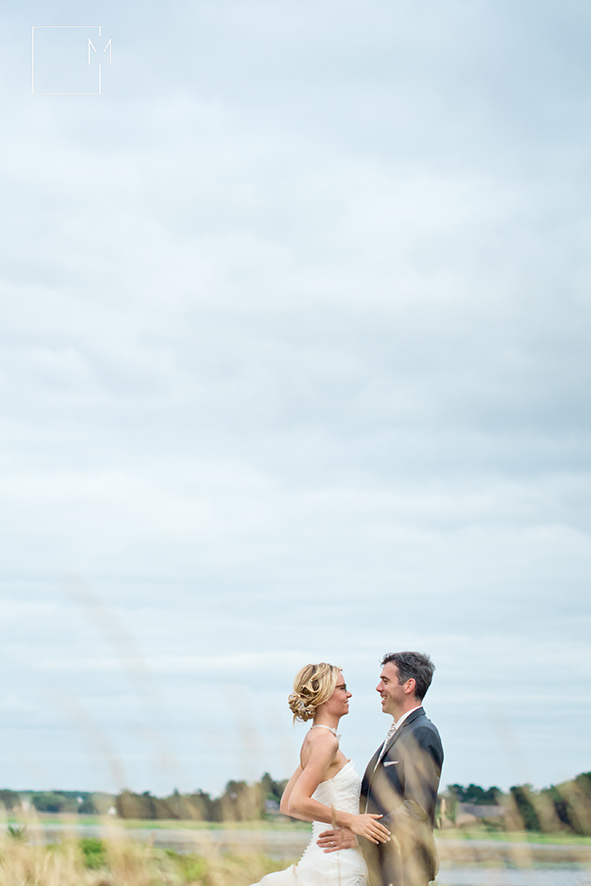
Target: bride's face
(338, 703)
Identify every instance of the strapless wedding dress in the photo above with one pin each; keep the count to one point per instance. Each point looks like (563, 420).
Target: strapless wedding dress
(319, 868)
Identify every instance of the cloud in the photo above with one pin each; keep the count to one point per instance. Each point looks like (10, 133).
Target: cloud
(294, 366)
(12, 704)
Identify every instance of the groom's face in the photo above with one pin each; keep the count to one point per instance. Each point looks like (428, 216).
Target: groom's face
(391, 691)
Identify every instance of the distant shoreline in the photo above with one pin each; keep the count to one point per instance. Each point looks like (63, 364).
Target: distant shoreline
(47, 820)
(286, 841)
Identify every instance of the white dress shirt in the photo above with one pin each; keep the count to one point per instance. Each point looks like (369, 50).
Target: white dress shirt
(396, 724)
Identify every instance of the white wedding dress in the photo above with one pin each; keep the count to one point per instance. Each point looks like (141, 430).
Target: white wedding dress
(319, 868)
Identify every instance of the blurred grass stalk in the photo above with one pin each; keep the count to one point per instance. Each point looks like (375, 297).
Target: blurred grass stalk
(122, 862)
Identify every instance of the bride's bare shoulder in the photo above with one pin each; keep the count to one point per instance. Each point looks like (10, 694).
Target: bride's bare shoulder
(318, 742)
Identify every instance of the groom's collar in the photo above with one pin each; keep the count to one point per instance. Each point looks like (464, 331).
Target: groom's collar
(405, 716)
(391, 738)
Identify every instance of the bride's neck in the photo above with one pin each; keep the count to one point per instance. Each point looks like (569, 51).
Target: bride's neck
(326, 720)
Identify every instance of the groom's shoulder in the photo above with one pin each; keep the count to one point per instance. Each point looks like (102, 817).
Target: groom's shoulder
(422, 726)
(423, 720)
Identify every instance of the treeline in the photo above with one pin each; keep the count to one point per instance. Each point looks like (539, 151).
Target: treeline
(239, 801)
(562, 808)
(82, 802)
(474, 794)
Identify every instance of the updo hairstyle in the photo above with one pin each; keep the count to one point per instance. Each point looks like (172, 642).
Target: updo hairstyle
(314, 684)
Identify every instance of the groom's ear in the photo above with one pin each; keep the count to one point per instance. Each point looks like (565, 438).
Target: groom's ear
(410, 686)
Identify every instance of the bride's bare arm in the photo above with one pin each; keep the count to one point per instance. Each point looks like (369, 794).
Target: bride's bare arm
(284, 805)
(319, 753)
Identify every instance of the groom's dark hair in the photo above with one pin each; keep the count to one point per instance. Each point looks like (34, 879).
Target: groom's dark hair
(412, 664)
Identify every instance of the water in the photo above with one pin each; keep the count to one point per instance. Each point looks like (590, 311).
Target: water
(501, 863)
(557, 875)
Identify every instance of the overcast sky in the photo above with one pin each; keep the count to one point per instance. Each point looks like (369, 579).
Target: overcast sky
(294, 367)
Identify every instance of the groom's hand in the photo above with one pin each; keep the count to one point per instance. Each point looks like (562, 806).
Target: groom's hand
(340, 838)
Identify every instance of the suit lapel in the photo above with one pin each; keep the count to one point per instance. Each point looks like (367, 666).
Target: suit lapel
(410, 719)
(369, 774)
(372, 765)
(376, 760)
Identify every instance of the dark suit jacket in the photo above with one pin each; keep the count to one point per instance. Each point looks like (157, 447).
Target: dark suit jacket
(403, 788)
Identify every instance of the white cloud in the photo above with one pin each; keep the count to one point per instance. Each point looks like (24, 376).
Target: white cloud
(12, 704)
(295, 364)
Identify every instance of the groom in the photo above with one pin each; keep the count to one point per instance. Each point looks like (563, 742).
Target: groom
(401, 780)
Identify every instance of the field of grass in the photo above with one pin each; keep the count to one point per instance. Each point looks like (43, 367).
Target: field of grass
(122, 861)
(93, 862)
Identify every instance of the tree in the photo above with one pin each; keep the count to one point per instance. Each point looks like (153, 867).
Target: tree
(130, 805)
(202, 806)
(475, 794)
(10, 799)
(272, 790)
(524, 801)
(52, 801)
(242, 802)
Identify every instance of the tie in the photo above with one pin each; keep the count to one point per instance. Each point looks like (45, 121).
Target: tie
(391, 732)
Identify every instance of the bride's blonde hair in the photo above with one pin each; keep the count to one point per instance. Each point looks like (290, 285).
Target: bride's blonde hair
(313, 685)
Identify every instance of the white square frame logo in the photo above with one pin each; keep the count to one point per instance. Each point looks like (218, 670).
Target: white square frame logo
(90, 46)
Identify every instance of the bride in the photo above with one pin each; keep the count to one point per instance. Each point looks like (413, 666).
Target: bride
(325, 786)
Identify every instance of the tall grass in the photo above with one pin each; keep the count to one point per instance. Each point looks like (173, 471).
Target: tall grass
(121, 862)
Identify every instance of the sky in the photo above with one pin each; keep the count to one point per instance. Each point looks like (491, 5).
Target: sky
(294, 367)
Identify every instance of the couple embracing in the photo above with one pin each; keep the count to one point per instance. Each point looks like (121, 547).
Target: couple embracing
(392, 811)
